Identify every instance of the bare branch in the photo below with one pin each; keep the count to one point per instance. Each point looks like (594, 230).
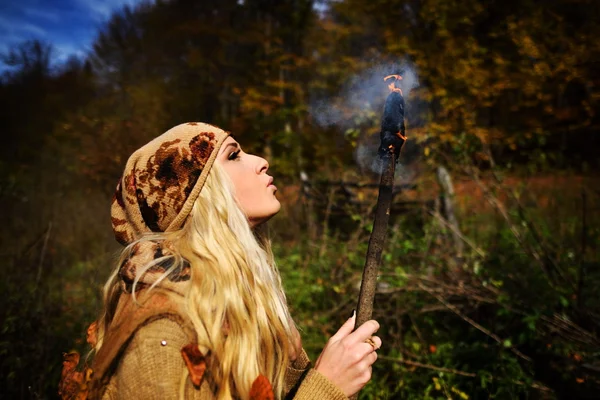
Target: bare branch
(534, 385)
(428, 366)
(473, 323)
(457, 233)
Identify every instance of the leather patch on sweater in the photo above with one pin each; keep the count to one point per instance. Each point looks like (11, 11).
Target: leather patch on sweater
(73, 385)
(261, 389)
(92, 334)
(195, 362)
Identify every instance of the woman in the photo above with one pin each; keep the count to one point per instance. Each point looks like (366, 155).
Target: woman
(195, 308)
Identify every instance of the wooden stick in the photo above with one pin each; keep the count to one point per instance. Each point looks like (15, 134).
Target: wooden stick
(368, 286)
(392, 139)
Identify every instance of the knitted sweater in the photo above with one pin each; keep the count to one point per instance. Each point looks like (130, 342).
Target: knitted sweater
(145, 360)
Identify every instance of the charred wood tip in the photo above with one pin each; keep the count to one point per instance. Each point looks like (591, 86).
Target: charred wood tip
(392, 126)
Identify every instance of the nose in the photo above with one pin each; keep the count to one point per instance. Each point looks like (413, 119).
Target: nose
(262, 165)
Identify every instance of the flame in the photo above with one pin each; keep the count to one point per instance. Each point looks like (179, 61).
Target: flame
(392, 85)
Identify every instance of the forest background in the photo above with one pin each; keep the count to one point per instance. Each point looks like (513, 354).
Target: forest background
(487, 287)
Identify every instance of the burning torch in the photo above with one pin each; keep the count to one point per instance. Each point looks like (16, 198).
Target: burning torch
(392, 139)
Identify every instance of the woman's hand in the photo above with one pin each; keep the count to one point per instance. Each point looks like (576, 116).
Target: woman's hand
(346, 359)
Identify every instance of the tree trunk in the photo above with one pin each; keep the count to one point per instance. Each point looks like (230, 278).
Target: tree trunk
(447, 200)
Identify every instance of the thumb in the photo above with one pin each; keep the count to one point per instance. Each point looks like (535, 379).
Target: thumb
(345, 329)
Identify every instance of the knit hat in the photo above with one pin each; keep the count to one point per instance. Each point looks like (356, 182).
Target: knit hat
(163, 179)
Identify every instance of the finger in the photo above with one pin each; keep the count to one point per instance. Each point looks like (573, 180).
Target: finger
(345, 330)
(371, 357)
(363, 332)
(372, 344)
(368, 374)
(377, 341)
(365, 373)
(363, 351)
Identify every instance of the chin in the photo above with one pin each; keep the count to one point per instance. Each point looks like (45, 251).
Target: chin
(276, 207)
(272, 212)
(264, 216)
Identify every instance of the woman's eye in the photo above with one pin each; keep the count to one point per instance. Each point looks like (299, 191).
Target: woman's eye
(233, 155)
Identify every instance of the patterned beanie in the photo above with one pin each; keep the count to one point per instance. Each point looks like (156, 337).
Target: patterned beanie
(163, 179)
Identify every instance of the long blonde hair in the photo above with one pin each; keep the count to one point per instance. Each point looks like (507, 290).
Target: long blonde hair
(234, 300)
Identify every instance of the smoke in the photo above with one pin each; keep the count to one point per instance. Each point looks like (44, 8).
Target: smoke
(361, 102)
(365, 90)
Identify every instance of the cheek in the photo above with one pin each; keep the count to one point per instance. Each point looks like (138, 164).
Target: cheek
(246, 188)
(252, 196)
(243, 192)
(254, 199)
(251, 192)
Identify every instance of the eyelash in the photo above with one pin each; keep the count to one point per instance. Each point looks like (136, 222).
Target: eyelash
(233, 155)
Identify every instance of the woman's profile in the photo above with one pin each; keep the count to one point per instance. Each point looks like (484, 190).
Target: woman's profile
(195, 307)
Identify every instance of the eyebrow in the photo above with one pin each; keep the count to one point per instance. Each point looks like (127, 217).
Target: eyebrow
(235, 145)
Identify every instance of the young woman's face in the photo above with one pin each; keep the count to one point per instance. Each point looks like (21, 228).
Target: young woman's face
(254, 189)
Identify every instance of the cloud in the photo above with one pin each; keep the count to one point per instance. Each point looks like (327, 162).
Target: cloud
(42, 14)
(16, 30)
(65, 50)
(69, 25)
(101, 10)
(31, 28)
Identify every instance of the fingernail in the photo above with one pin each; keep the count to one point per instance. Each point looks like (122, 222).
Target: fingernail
(352, 315)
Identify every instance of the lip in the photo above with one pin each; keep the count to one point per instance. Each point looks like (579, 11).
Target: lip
(270, 182)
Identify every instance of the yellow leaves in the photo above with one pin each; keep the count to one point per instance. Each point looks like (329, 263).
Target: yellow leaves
(548, 109)
(440, 91)
(396, 44)
(338, 288)
(418, 134)
(483, 134)
(439, 385)
(460, 394)
(542, 69)
(496, 83)
(437, 128)
(529, 88)
(447, 137)
(528, 47)
(256, 101)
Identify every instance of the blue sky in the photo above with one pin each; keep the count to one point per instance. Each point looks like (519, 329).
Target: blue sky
(69, 25)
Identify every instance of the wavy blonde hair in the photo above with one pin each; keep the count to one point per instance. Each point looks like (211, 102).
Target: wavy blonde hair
(234, 300)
